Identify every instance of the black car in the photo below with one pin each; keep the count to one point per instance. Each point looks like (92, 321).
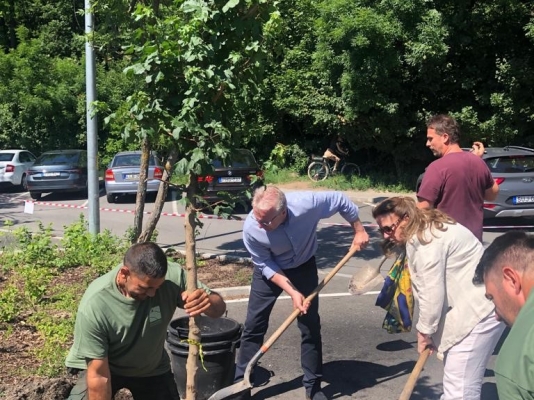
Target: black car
(512, 167)
(240, 173)
(58, 171)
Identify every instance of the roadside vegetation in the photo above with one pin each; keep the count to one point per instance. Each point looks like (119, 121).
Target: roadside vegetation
(288, 164)
(42, 280)
(41, 283)
(371, 71)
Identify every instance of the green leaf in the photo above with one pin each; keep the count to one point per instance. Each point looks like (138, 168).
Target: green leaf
(229, 5)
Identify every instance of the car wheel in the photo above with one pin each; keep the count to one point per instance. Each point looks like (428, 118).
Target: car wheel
(35, 195)
(23, 183)
(110, 198)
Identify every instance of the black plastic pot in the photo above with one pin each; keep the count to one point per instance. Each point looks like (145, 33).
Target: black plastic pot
(219, 339)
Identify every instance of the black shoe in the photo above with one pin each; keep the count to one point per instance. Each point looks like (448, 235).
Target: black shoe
(318, 395)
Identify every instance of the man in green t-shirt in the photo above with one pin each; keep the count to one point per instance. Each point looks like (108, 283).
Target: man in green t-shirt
(121, 327)
(507, 269)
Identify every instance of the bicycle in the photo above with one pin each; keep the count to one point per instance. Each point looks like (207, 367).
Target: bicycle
(321, 168)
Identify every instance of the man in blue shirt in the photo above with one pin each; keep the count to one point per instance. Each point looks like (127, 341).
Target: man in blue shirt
(280, 235)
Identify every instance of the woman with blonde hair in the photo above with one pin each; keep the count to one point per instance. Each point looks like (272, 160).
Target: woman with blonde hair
(455, 319)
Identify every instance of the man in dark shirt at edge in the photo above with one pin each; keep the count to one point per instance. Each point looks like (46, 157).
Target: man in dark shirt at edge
(458, 182)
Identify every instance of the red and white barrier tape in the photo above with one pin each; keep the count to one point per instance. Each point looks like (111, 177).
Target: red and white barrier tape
(166, 214)
(203, 216)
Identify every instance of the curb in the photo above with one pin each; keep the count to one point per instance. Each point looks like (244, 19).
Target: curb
(233, 293)
(219, 257)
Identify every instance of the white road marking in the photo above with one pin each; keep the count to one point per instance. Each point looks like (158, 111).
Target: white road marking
(341, 275)
(343, 294)
(19, 196)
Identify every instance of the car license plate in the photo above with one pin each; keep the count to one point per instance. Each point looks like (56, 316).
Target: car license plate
(131, 177)
(523, 199)
(51, 174)
(230, 179)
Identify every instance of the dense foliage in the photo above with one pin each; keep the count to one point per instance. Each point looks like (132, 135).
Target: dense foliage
(41, 284)
(371, 70)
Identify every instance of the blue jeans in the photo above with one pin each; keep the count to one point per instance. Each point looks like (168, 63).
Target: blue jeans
(263, 294)
(160, 387)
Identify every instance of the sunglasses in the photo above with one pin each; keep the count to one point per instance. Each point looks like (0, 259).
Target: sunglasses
(390, 229)
(267, 223)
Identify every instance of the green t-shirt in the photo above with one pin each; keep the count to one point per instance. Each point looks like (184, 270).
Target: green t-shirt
(514, 370)
(130, 333)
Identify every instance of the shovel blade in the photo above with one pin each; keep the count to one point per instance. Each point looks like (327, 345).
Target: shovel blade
(365, 279)
(232, 391)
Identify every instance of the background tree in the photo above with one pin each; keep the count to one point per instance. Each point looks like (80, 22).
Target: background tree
(372, 71)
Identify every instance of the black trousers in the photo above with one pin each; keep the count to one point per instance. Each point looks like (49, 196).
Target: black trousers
(159, 387)
(263, 294)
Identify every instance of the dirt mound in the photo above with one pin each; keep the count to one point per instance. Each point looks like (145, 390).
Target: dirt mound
(32, 388)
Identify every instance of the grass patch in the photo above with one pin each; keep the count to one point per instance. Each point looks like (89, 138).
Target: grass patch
(378, 181)
(281, 176)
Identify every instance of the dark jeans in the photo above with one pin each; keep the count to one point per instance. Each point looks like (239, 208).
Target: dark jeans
(160, 387)
(263, 294)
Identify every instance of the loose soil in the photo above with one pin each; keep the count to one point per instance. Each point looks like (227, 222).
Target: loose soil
(15, 349)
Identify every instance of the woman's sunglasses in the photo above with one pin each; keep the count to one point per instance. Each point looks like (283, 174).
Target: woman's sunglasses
(390, 229)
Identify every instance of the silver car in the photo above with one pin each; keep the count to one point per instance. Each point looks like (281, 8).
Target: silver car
(13, 167)
(512, 167)
(122, 175)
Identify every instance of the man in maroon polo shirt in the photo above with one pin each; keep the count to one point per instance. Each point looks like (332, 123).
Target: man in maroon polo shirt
(458, 182)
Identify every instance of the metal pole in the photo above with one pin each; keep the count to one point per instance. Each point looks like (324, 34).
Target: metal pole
(92, 129)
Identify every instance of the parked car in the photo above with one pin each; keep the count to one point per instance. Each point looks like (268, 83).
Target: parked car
(58, 171)
(512, 167)
(122, 175)
(234, 177)
(13, 166)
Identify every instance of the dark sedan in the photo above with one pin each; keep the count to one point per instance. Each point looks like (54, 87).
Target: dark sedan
(58, 171)
(232, 179)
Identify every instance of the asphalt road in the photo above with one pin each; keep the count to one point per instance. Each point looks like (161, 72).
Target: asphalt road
(361, 360)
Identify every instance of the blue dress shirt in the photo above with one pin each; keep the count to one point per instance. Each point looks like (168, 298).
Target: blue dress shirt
(295, 241)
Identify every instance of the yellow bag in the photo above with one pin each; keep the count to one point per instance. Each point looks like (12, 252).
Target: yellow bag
(396, 297)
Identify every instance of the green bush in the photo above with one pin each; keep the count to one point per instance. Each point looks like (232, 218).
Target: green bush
(31, 295)
(80, 247)
(290, 157)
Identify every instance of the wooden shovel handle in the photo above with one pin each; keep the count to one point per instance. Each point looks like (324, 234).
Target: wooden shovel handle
(412, 380)
(296, 312)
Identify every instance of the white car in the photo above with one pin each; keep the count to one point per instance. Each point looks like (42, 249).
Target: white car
(13, 167)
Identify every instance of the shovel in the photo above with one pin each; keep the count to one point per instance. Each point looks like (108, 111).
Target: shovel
(245, 384)
(412, 380)
(366, 278)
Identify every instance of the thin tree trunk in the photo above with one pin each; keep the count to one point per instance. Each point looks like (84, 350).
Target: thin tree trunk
(141, 191)
(150, 226)
(190, 265)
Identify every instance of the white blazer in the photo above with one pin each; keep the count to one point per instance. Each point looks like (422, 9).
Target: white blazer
(442, 271)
